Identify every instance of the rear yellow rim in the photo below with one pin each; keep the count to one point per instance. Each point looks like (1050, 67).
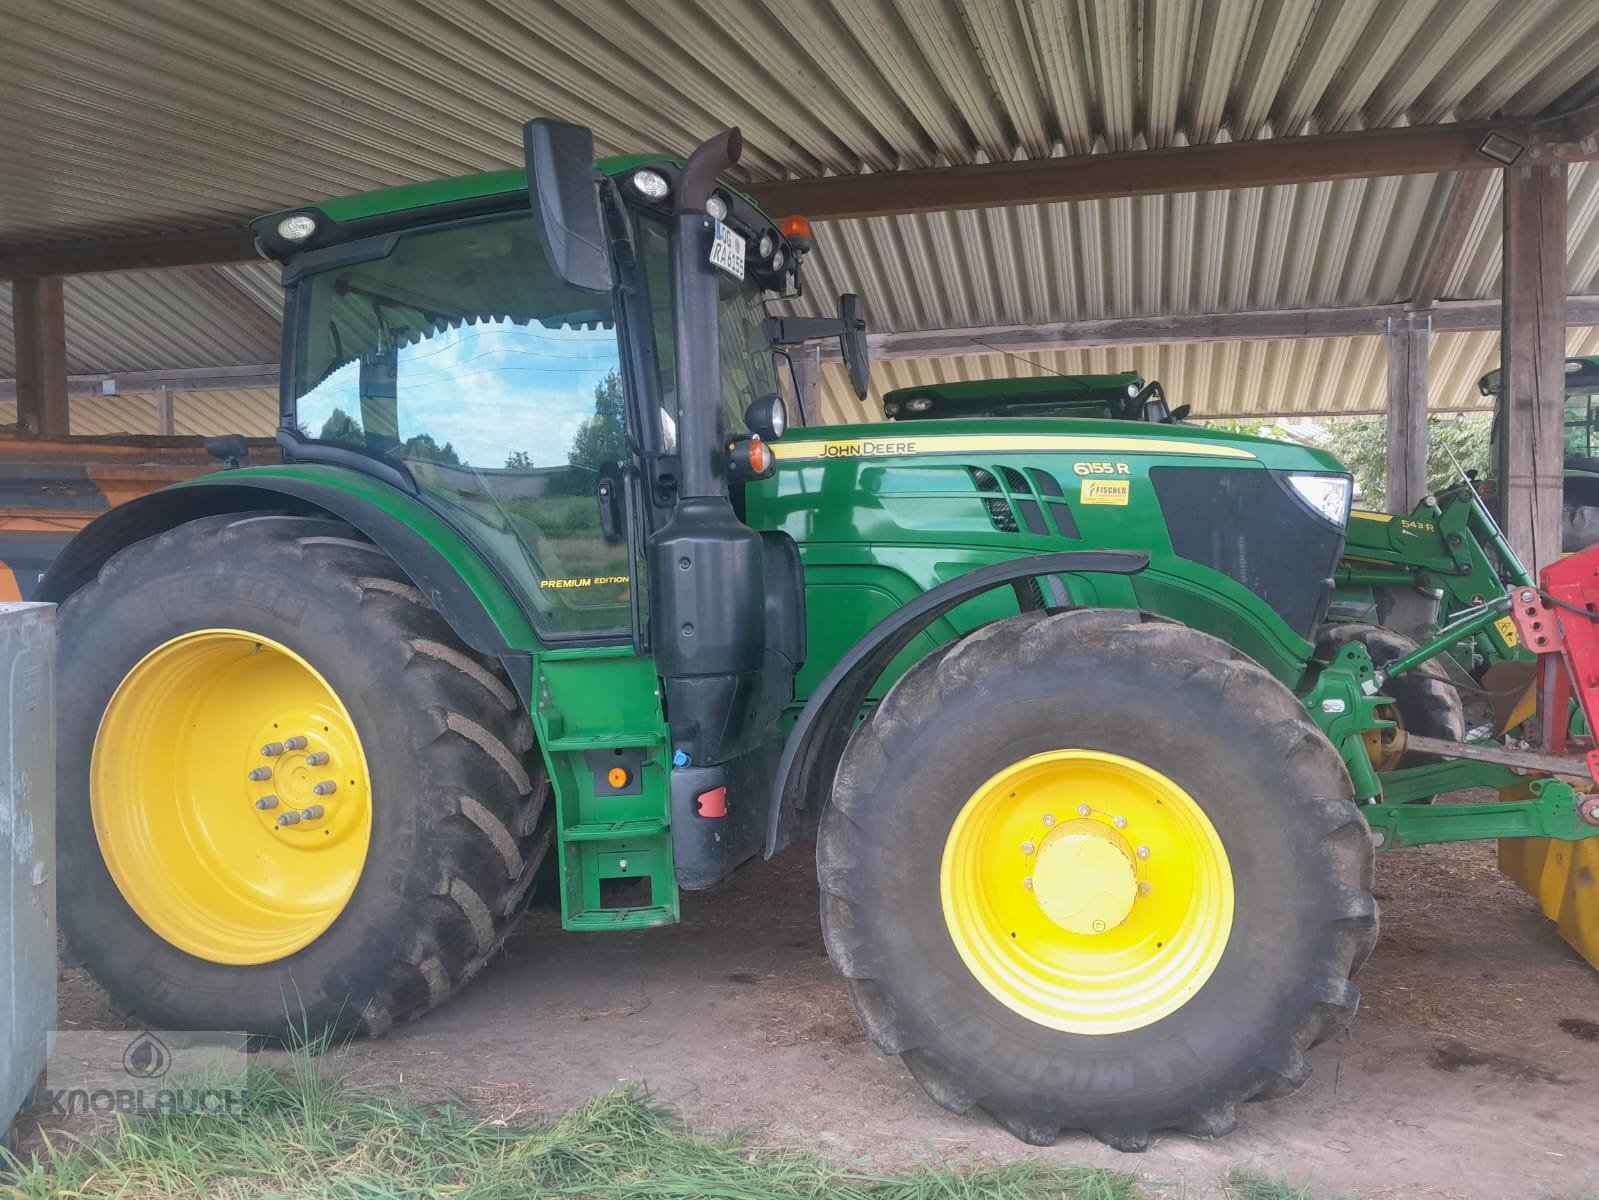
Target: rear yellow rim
(1086, 892)
(230, 797)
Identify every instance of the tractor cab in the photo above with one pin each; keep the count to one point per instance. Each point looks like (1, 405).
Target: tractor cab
(1580, 515)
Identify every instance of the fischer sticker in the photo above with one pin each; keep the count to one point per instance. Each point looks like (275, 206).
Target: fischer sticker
(1106, 491)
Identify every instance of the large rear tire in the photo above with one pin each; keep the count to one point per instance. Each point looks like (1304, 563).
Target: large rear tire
(1095, 870)
(291, 801)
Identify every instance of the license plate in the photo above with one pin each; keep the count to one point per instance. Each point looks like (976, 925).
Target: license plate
(727, 251)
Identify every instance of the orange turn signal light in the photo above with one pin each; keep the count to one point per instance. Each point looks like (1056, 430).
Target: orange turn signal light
(617, 777)
(750, 458)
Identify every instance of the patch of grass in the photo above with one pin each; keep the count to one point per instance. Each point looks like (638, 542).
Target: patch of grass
(304, 1134)
(1248, 1185)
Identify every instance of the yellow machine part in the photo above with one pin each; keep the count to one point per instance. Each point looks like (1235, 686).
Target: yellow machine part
(1564, 878)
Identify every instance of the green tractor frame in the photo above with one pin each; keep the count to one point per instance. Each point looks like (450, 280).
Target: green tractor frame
(542, 589)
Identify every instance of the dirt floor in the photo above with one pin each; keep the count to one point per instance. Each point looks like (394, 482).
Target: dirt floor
(1471, 1071)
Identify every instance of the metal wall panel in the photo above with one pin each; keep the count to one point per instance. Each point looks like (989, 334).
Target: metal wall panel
(27, 848)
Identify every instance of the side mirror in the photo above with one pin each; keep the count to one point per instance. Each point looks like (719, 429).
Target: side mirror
(1180, 413)
(566, 199)
(857, 357)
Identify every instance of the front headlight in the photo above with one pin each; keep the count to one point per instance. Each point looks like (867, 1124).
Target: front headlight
(1327, 494)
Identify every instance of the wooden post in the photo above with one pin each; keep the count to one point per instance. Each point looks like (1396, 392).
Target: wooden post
(38, 318)
(1532, 350)
(166, 417)
(808, 381)
(1408, 340)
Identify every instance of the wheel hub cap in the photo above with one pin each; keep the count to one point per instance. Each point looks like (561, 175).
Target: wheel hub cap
(1084, 882)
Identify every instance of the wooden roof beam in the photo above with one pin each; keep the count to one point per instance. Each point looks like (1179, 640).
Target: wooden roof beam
(1450, 316)
(1414, 150)
(154, 252)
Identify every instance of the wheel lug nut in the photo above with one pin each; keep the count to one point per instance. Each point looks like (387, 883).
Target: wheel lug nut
(1143, 889)
(294, 743)
(1142, 852)
(312, 813)
(1120, 822)
(319, 759)
(272, 749)
(1028, 883)
(266, 802)
(1083, 810)
(289, 818)
(326, 788)
(1049, 819)
(1027, 847)
(260, 773)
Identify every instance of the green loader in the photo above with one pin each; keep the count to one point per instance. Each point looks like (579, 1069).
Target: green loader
(542, 589)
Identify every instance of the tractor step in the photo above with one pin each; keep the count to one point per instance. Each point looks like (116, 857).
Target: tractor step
(621, 741)
(608, 919)
(599, 831)
(599, 722)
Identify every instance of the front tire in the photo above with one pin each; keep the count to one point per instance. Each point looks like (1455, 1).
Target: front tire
(213, 678)
(1112, 1008)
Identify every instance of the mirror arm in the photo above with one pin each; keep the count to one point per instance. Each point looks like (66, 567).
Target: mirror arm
(796, 331)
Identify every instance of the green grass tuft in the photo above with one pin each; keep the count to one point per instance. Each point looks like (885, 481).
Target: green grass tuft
(1249, 1185)
(304, 1134)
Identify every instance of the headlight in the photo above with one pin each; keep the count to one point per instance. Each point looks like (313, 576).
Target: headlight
(1327, 494)
(716, 208)
(918, 404)
(651, 185)
(767, 417)
(778, 260)
(296, 228)
(765, 247)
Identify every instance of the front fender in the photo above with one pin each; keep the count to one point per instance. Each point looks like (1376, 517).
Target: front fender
(447, 569)
(816, 743)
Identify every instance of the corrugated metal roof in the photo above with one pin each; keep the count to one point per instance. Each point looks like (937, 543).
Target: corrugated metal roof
(1301, 377)
(197, 113)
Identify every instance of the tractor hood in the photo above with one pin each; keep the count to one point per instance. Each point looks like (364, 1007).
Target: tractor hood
(1052, 435)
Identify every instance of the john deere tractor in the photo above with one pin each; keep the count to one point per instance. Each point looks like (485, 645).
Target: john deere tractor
(540, 585)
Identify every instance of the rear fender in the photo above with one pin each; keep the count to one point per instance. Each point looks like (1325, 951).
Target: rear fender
(448, 570)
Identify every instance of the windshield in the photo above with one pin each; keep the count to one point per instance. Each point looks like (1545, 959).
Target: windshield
(460, 356)
(748, 370)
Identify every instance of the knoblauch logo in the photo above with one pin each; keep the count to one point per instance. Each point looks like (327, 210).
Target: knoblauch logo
(146, 1057)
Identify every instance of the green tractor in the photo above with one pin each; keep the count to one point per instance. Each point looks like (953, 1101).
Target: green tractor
(540, 588)
(1580, 511)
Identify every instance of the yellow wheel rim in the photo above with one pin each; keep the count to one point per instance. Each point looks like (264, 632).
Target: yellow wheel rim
(211, 798)
(1086, 892)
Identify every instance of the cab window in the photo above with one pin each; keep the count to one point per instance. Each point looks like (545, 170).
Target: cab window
(461, 357)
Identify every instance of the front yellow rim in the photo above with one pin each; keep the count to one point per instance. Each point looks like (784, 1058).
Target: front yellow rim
(230, 797)
(1086, 891)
